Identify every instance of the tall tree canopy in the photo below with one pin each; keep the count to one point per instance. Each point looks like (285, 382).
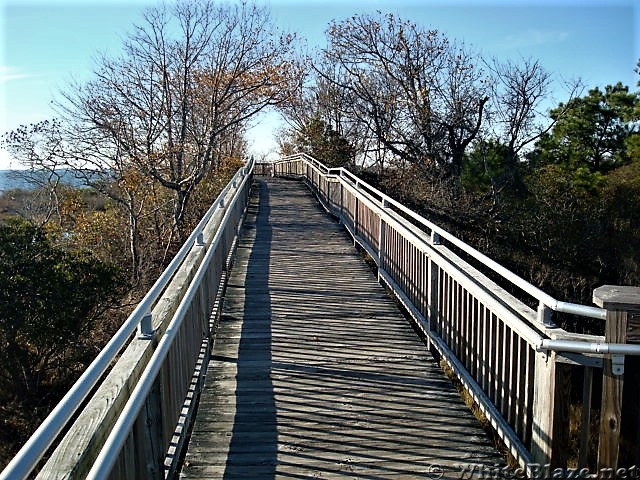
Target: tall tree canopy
(189, 79)
(595, 130)
(320, 140)
(416, 95)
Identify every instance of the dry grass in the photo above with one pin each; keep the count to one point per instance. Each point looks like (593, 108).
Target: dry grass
(575, 428)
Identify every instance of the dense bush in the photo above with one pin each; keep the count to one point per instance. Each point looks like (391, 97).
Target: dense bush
(51, 303)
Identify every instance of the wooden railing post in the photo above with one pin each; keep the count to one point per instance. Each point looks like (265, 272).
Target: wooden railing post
(355, 216)
(432, 292)
(543, 403)
(332, 201)
(341, 202)
(150, 451)
(551, 397)
(381, 239)
(618, 301)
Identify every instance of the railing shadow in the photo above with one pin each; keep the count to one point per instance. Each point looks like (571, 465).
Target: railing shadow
(254, 438)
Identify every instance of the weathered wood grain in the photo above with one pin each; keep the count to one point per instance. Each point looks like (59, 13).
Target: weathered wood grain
(612, 387)
(633, 327)
(314, 371)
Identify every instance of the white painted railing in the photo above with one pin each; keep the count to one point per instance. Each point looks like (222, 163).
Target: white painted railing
(112, 437)
(512, 359)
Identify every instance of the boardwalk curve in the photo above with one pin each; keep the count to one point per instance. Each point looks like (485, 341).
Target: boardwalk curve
(315, 373)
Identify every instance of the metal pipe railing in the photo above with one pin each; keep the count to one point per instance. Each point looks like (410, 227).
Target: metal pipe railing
(543, 297)
(32, 451)
(120, 432)
(602, 348)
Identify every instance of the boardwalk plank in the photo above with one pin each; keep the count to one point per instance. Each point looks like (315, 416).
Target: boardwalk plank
(315, 373)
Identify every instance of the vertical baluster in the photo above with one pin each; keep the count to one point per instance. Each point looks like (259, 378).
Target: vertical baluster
(491, 363)
(585, 418)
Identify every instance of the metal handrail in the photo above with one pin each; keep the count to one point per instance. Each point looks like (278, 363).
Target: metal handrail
(544, 298)
(534, 338)
(32, 451)
(439, 325)
(111, 449)
(601, 348)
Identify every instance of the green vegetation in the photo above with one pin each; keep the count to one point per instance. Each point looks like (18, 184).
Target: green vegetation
(52, 306)
(52, 298)
(597, 131)
(320, 140)
(576, 224)
(66, 285)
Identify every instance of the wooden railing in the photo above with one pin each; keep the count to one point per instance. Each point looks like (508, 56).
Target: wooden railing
(133, 419)
(520, 368)
(516, 364)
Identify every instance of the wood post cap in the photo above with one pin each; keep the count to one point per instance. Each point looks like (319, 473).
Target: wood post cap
(615, 297)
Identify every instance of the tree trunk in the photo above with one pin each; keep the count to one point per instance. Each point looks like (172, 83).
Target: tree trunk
(182, 198)
(134, 246)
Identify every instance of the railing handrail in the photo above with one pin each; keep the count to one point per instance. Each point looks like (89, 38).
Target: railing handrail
(543, 297)
(120, 431)
(499, 348)
(539, 342)
(45, 435)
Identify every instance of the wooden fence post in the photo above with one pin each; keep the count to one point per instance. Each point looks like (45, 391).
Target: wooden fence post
(543, 407)
(433, 306)
(617, 301)
(341, 202)
(551, 397)
(381, 239)
(148, 449)
(355, 216)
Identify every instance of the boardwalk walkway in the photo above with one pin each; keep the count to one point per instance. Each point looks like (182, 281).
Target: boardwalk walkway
(315, 373)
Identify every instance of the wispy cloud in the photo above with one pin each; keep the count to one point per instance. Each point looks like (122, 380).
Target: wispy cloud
(534, 38)
(8, 74)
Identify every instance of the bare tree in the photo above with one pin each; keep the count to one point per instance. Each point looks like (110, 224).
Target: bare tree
(320, 123)
(38, 147)
(518, 92)
(52, 149)
(190, 75)
(418, 95)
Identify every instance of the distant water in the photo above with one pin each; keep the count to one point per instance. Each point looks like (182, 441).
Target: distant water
(13, 179)
(10, 179)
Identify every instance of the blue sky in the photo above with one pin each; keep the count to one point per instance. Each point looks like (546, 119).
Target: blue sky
(47, 43)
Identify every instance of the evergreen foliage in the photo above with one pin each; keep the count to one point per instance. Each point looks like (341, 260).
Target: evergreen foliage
(599, 130)
(319, 140)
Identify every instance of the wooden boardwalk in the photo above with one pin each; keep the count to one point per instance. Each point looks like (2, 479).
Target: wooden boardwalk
(315, 373)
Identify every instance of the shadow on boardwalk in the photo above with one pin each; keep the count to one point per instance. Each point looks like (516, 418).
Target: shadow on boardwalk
(254, 395)
(315, 373)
